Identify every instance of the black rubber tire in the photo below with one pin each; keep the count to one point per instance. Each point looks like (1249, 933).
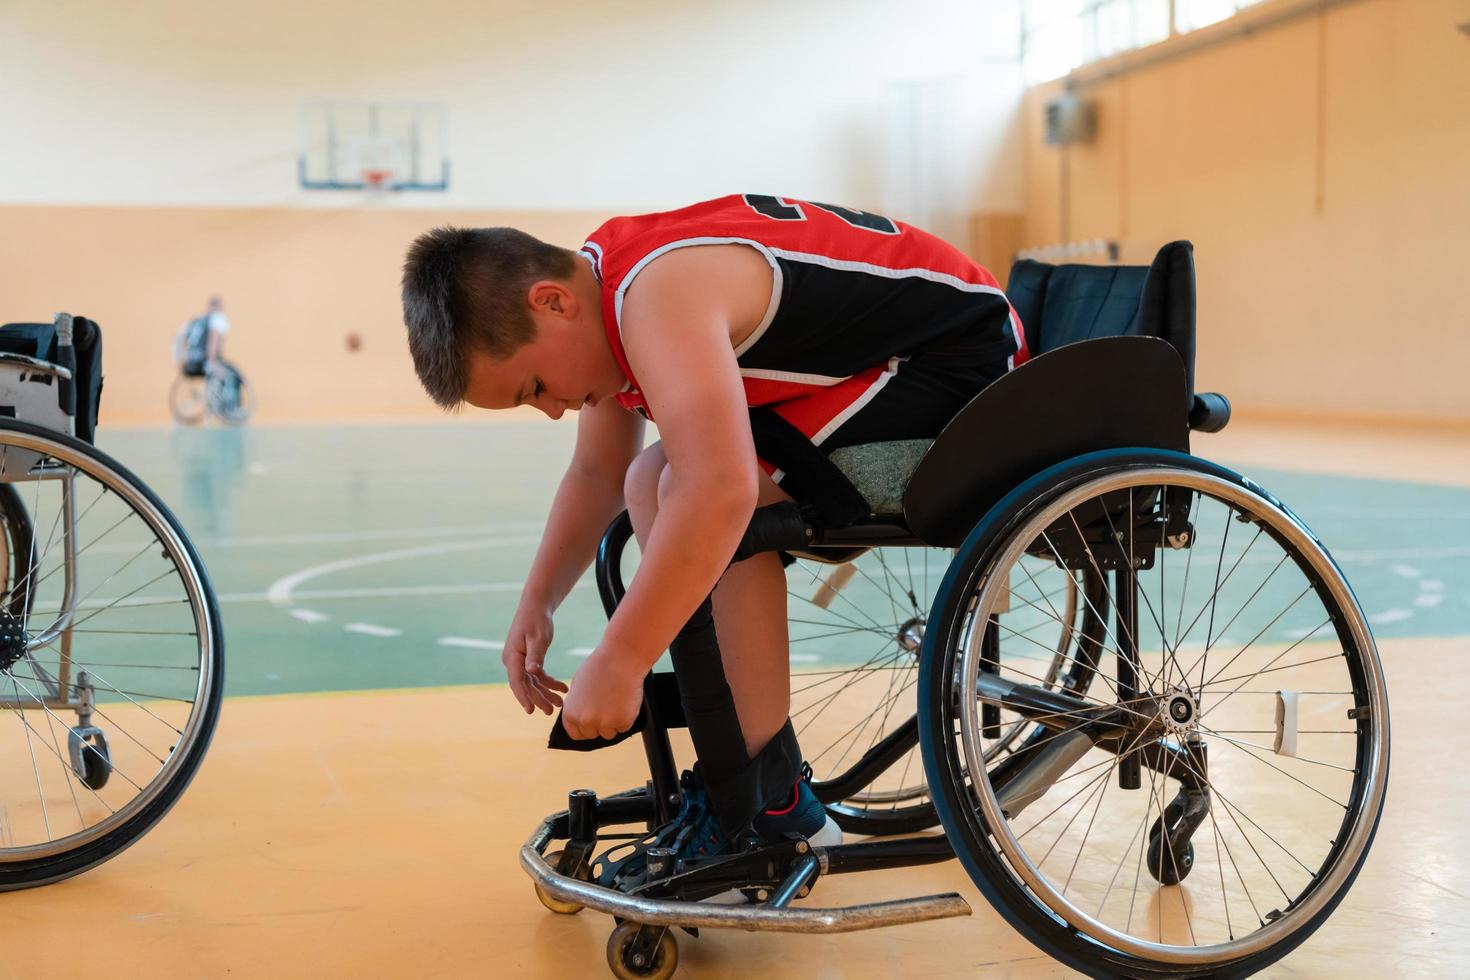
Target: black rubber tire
(16, 521)
(42, 871)
(96, 762)
(1173, 870)
(665, 955)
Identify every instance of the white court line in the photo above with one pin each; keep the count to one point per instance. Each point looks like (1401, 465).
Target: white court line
(280, 590)
(805, 658)
(390, 592)
(335, 537)
(332, 537)
(1391, 616)
(310, 615)
(580, 651)
(368, 629)
(465, 641)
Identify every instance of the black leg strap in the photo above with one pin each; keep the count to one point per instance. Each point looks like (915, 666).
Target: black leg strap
(738, 797)
(665, 691)
(738, 786)
(811, 477)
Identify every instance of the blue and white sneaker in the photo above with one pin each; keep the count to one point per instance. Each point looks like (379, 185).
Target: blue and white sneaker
(801, 813)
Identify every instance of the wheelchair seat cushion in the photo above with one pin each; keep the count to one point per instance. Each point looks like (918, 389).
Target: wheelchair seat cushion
(881, 470)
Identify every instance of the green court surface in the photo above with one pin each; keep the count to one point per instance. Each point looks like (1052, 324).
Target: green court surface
(391, 556)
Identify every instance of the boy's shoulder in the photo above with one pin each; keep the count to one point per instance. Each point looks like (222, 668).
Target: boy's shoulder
(622, 245)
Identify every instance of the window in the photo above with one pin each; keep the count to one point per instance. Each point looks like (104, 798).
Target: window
(1060, 35)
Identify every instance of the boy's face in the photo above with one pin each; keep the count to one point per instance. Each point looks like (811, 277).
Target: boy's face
(569, 364)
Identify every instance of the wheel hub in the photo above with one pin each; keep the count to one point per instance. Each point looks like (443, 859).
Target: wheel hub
(911, 635)
(13, 639)
(1180, 711)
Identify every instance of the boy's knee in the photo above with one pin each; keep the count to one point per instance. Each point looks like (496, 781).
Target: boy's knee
(640, 485)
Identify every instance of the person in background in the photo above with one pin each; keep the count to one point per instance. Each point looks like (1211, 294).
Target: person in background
(199, 344)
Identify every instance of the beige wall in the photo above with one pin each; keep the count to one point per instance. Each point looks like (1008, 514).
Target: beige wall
(294, 281)
(1322, 169)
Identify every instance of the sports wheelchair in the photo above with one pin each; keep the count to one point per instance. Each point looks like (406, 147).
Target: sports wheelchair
(1149, 769)
(111, 650)
(219, 390)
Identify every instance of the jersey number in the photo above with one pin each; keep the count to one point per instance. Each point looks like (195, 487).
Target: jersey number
(783, 210)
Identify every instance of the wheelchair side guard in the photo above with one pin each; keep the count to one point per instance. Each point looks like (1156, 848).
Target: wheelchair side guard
(1110, 393)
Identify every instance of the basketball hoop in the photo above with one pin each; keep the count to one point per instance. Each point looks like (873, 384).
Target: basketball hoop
(376, 180)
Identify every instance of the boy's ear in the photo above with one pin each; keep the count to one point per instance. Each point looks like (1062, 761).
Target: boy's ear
(553, 297)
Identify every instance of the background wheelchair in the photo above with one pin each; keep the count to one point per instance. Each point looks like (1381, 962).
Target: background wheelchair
(1132, 688)
(111, 650)
(221, 391)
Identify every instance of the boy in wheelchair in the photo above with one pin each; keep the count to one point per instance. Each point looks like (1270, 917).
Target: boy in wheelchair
(761, 334)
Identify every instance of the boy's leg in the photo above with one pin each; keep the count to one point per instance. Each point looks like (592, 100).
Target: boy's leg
(749, 608)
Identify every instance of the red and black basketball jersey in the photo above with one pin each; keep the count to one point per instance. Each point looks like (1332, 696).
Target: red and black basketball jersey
(853, 294)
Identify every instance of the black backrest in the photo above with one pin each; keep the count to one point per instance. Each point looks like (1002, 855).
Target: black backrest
(38, 340)
(1064, 304)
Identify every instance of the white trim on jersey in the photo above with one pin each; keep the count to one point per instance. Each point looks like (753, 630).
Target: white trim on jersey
(593, 251)
(687, 242)
(843, 265)
(771, 307)
(859, 402)
(767, 374)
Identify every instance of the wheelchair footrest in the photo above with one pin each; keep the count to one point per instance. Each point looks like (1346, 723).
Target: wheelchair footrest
(752, 918)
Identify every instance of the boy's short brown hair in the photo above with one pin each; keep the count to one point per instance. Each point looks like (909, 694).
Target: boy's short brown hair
(464, 290)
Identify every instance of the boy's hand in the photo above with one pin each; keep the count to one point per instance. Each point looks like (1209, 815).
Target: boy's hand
(605, 700)
(525, 651)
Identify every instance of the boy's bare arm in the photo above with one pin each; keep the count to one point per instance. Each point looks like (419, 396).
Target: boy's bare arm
(589, 497)
(676, 331)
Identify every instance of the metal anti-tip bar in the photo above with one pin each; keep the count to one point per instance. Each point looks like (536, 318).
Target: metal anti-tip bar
(754, 918)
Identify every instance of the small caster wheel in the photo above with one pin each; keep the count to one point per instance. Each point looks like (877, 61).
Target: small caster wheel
(632, 960)
(555, 904)
(1167, 869)
(91, 760)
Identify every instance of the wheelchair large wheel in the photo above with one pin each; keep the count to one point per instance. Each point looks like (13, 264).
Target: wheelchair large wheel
(112, 674)
(856, 620)
(1207, 803)
(230, 396)
(186, 399)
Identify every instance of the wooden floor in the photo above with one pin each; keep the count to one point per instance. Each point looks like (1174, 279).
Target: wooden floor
(376, 834)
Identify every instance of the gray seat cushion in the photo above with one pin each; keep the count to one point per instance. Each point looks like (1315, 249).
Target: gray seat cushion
(881, 470)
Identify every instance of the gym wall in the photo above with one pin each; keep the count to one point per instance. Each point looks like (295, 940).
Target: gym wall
(151, 153)
(1322, 169)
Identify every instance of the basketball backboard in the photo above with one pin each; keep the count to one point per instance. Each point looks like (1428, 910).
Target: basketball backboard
(374, 146)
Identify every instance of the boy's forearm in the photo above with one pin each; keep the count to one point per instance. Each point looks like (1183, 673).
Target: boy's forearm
(689, 549)
(583, 507)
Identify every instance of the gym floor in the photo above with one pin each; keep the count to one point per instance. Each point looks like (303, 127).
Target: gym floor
(353, 814)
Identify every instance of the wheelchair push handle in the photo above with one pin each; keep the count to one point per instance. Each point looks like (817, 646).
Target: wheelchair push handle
(1209, 412)
(66, 357)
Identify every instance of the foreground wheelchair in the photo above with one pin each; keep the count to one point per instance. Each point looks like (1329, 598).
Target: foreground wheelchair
(1130, 686)
(111, 651)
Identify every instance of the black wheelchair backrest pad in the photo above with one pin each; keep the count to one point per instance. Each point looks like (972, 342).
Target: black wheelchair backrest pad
(1064, 304)
(1112, 393)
